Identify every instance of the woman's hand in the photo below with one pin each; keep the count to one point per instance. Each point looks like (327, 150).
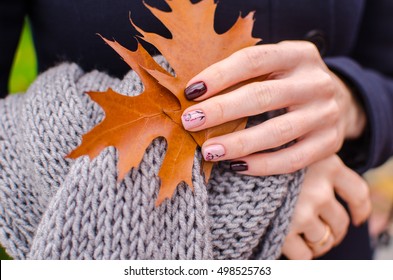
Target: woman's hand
(321, 111)
(320, 221)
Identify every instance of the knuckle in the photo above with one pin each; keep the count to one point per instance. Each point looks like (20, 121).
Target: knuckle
(302, 51)
(218, 109)
(261, 95)
(325, 192)
(217, 74)
(251, 57)
(335, 165)
(282, 131)
(339, 141)
(242, 146)
(311, 50)
(335, 162)
(334, 141)
(304, 217)
(307, 50)
(328, 114)
(363, 195)
(325, 82)
(309, 46)
(297, 160)
(323, 195)
(334, 111)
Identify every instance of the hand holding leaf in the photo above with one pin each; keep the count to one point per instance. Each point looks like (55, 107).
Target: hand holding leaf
(131, 123)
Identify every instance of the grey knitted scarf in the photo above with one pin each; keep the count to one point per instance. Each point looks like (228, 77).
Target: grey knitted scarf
(57, 208)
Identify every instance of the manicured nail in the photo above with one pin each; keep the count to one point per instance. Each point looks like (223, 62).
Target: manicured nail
(238, 166)
(193, 119)
(195, 90)
(213, 152)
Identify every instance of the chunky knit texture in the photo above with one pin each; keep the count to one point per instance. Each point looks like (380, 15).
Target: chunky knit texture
(57, 208)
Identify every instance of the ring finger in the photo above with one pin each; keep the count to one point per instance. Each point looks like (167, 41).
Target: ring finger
(319, 237)
(269, 134)
(336, 216)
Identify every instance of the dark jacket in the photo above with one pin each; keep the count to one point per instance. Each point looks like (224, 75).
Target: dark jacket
(355, 37)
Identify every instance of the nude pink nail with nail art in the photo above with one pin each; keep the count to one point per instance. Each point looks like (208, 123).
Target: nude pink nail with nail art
(213, 152)
(193, 119)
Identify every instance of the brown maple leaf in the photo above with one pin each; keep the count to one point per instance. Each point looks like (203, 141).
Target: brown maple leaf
(131, 123)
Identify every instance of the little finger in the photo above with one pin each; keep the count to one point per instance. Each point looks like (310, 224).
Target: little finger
(287, 160)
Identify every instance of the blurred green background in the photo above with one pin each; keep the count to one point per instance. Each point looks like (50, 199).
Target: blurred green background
(24, 71)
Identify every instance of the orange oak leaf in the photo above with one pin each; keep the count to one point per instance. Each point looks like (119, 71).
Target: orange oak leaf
(131, 123)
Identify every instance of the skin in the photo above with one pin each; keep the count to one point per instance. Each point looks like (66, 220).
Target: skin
(321, 113)
(317, 205)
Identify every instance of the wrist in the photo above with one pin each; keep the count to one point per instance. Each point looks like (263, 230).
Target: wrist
(355, 119)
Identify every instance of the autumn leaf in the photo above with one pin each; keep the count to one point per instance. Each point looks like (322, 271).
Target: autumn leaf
(131, 123)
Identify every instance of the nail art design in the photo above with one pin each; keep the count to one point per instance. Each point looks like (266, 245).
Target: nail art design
(195, 90)
(193, 119)
(213, 152)
(211, 156)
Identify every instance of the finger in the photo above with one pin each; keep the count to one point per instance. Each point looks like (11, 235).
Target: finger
(295, 248)
(248, 100)
(354, 190)
(272, 133)
(320, 190)
(269, 134)
(243, 65)
(301, 154)
(335, 215)
(318, 237)
(253, 99)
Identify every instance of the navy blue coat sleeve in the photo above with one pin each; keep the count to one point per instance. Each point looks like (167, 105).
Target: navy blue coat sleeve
(370, 71)
(12, 14)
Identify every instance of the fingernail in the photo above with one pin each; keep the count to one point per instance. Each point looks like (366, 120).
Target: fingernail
(195, 90)
(238, 166)
(193, 119)
(213, 152)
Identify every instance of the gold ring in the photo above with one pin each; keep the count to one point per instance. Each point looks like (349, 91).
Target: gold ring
(321, 242)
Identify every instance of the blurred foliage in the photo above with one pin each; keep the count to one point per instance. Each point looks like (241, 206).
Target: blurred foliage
(24, 70)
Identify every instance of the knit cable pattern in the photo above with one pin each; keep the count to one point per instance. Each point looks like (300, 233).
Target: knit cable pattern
(57, 208)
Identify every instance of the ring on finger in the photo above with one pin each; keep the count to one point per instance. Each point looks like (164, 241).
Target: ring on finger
(323, 241)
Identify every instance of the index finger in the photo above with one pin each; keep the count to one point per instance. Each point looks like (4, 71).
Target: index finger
(248, 63)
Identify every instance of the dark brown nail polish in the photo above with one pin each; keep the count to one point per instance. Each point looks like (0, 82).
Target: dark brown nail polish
(195, 90)
(238, 166)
